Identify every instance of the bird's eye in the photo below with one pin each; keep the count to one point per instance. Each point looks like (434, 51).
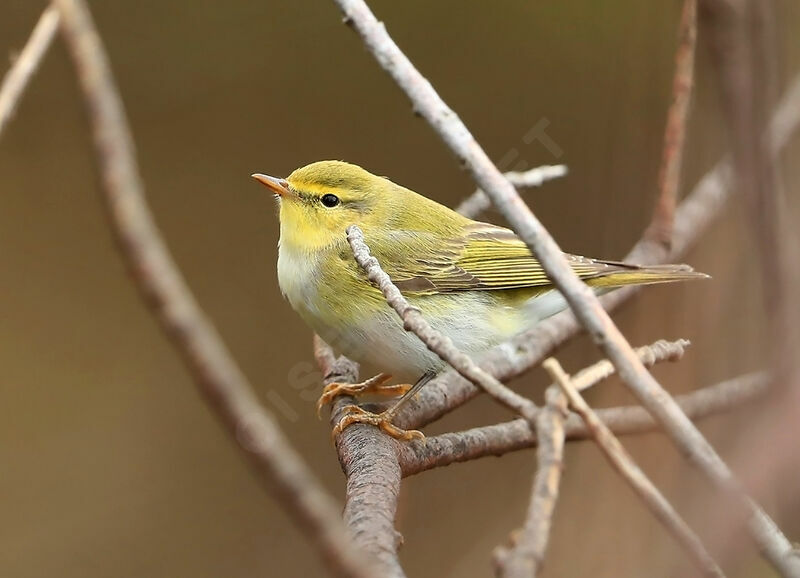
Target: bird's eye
(330, 200)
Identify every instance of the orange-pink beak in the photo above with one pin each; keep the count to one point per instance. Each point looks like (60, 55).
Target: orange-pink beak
(278, 186)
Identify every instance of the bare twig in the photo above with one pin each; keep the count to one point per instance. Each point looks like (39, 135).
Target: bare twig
(526, 555)
(660, 230)
(622, 461)
(371, 467)
(441, 345)
(659, 351)
(478, 202)
(581, 299)
(219, 379)
(27, 63)
(499, 439)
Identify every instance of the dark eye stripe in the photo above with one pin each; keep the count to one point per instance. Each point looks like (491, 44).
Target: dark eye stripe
(330, 200)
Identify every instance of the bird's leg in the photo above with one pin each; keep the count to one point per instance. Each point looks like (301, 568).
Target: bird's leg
(376, 384)
(354, 414)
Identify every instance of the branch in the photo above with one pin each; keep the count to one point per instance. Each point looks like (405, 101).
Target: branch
(227, 391)
(370, 464)
(478, 202)
(622, 461)
(502, 438)
(526, 556)
(27, 63)
(661, 226)
(439, 344)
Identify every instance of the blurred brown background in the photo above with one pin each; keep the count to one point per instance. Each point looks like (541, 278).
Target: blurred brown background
(110, 465)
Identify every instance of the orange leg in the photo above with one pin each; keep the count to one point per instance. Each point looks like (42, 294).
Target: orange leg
(375, 385)
(354, 414)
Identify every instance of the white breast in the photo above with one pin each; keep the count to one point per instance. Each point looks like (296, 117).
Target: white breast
(297, 274)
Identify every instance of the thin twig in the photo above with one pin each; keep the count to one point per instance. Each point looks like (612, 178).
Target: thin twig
(27, 63)
(622, 461)
(499, 439)
(660, 230)
(478, 202)
(580, 297)
(526, 556)
(657, 352)
(227, 391)
(438, 343)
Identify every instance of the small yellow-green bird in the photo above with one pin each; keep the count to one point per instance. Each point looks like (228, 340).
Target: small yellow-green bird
(475, 282)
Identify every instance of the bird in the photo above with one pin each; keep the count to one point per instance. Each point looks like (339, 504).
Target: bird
(477, 283)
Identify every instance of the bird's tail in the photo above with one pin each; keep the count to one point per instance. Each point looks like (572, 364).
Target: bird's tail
(621, 274)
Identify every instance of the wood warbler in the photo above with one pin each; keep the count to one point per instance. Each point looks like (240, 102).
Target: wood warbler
(475, 282)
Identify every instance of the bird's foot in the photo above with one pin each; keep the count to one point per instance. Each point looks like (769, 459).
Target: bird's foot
(376, 385)
(354, 414)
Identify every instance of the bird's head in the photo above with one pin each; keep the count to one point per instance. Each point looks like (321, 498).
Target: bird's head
(319, 201)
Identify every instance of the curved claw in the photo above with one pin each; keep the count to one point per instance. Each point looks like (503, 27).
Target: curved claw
(355, 414)
(374, 384)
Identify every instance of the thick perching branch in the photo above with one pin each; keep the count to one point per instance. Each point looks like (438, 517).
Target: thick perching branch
(583, 302)
(219, 379)
(372, 469)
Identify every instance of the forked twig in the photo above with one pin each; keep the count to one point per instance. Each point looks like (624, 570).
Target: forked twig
(622, 461)
(225, 388)
(27, 63)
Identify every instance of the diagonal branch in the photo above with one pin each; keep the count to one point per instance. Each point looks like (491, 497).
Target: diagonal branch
(227, 391)
(27, 63)
(622, 461)
(581, 299)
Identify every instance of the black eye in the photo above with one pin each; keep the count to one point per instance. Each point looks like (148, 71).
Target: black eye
(330, 200)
